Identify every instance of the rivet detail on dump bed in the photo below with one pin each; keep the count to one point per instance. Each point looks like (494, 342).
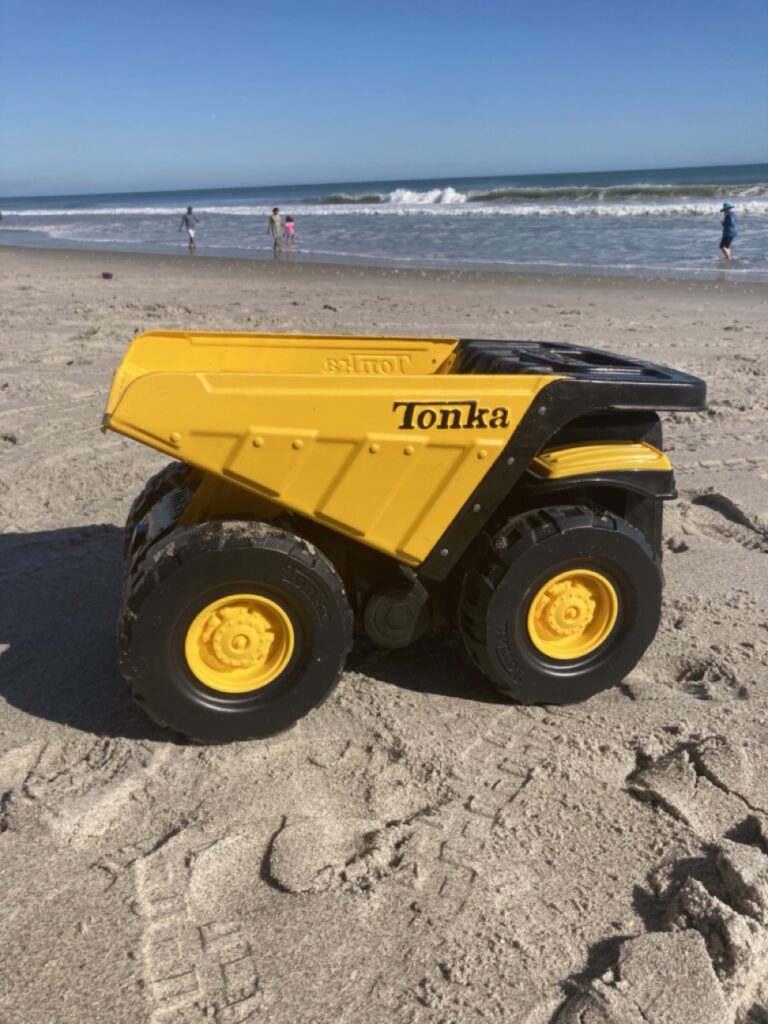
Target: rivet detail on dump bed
(257, 442)
(408, 450)
(373, 449)
(298, 443)
(175, 437)
(482, 454)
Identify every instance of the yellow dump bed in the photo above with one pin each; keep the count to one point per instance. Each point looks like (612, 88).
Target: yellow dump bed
(375, 437)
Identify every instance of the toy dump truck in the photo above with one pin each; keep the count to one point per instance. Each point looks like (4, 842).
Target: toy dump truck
(509, 491)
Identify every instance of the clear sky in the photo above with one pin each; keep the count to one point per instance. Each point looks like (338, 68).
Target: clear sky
(100, 96)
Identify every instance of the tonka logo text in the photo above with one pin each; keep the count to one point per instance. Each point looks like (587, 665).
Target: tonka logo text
(464, 415)
(367, 363)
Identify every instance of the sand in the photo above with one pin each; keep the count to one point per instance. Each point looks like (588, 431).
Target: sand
(416, 850)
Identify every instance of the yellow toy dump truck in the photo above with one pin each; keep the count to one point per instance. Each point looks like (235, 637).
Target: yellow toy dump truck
(509, 490)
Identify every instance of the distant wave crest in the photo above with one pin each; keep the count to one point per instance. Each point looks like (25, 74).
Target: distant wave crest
(618, 193)
(615, 201)
(343, 199)
(637, 192)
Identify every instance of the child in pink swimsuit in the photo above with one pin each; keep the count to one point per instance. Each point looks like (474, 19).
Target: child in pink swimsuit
(290, 230)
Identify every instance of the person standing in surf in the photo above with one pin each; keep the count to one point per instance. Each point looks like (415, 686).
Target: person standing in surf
(729, 229)
(275, 228)
(188, 221)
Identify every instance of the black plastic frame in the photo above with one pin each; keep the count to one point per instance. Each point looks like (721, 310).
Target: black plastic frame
(592, 381)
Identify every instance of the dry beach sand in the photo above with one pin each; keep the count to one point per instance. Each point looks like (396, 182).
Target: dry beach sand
(417, 850)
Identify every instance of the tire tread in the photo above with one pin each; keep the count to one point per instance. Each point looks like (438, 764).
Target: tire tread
(180, 547)
(497, 557)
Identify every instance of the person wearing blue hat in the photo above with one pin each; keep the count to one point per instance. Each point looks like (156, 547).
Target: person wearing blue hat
(729, 229)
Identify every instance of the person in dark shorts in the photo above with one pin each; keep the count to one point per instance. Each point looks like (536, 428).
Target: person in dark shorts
(729, 229)
(188, 221)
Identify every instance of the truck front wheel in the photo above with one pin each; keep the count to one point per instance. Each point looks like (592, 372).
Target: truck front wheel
(233, 630)
(562, 603)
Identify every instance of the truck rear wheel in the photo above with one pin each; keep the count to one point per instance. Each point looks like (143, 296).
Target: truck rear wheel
(562, 604)
(233, 630)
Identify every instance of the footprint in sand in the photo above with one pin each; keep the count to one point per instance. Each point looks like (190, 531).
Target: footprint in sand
(78, 790)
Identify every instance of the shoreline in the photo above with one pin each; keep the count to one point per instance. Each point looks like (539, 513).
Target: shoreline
(653, 223)
(287, 269)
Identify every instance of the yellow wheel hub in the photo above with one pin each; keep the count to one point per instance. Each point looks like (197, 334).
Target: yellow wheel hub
(239, 643)
(572, 614)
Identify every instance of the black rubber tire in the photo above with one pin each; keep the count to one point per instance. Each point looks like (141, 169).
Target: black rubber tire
(196, 565)
(168, 479)
(517, 561)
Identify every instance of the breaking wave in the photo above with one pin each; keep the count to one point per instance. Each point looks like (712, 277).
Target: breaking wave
(614, 193)
(440, 196)
(634, 193)
(343, 199)
(406, 206)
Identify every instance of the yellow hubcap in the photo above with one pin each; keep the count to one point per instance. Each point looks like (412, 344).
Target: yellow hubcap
(239, 643)
(572, 614)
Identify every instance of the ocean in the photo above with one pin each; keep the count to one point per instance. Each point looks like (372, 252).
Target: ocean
(648, 223)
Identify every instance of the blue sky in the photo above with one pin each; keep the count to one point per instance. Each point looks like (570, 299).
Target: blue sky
(98, 96)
